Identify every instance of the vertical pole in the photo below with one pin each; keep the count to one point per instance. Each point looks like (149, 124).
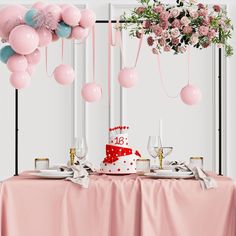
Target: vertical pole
(220, 108)
(16, 132)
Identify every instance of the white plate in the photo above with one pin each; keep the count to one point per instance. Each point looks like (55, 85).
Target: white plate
(56, 175)
(173, 175)
(55, 172)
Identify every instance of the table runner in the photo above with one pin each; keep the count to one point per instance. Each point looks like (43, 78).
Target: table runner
(116, 206)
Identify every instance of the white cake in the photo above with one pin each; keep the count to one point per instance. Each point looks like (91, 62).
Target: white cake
(120, 159)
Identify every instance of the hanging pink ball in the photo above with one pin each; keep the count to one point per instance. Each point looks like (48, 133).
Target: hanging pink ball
(34, 57)
(71, 16)
(54, 37)
(64, 74)
(17, 63)
(88, 18)
(45, 37)
(91, 92)
(30, 69)
(79, 32)
(10, 17)
(191, 95)
(39, 5)
(20, 79)
(54, 10)
(23, 39)
(128, 77)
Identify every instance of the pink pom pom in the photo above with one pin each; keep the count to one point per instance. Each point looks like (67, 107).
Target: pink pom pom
(34, 57)
(128, 77)
(64, 74)
(30, 69)
(39, 5)
(88, 18)
(91, 92)
(17, 63)
(45, 37)
(23, 39)
(190, 95)
(71, 16)
(65, 5)
(79, 33)
(20, 79)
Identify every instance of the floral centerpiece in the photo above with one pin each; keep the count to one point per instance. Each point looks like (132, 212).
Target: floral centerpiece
(175, 27)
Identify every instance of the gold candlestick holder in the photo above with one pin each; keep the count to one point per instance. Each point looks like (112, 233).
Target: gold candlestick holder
(160, 156)
(72, 156)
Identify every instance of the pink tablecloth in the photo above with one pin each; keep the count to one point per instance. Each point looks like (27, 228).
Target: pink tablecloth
(116, 206)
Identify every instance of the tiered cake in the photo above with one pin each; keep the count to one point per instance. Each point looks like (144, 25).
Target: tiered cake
(120, 158)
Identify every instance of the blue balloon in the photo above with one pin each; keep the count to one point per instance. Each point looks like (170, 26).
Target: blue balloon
(29, 17)
(5, 53)
(63, 30)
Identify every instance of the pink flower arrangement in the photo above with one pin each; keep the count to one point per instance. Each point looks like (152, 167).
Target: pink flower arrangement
(175, 27)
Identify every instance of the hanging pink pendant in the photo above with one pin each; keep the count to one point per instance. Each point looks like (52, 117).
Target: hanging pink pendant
(91, 92)
(128, 77)
(64, 74)
(190, 95)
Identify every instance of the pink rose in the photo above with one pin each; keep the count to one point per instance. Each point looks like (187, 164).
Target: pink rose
(194, 39)
(161, 41)
(217, 8)
(176, 24)
(164, 25)
(206, 22)
(165, 34)
(140, 10)
(147, 24)
(150, 41)
(200, 6)
(157, 30)
(167, 48)
(206, 45)
(185, 20)
(203, 30)
(203, 12)
(155, 51)
(164, 16)
(174, 12)
(187, 30)
(175, 41)
(211, 34)
(182, 49)
(194, 14)
(158, 9)
(175, 32)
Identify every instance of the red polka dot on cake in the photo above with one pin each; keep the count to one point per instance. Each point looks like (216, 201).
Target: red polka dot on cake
(109, 170)
(127, 168)
(114, 164)
(118, 169)
(105, 164)
(124, 161)
(131, 163)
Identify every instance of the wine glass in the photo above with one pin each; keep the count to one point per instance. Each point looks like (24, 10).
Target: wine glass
(81, 148)
(152, 146)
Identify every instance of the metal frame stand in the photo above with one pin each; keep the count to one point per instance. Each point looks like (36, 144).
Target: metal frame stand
(220, 112)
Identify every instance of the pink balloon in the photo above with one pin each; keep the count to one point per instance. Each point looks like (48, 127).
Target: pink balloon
(64, 6)
(45, 37)
(10, 17)
(20, 79)
(54, 37)
(34, 57)
(128, 77)
(190, 94)
(17, 63)
(54, 10)
(79, 32)
(30, 69)
(71, 16)
(64, 74)
(88, 18)
(91, 92)
(23, 39)
(39, 5)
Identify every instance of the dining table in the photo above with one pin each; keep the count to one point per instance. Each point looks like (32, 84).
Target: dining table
(116, 205)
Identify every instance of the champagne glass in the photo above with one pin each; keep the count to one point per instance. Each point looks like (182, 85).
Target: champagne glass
(152, 146)
(81, 148)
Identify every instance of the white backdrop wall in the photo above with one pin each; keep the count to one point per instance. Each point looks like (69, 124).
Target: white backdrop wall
(46, 109)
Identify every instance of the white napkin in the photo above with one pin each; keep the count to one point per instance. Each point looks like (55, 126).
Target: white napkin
(80, 173)
(206, 181)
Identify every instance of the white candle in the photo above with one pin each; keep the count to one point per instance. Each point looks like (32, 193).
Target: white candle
(160, 130)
